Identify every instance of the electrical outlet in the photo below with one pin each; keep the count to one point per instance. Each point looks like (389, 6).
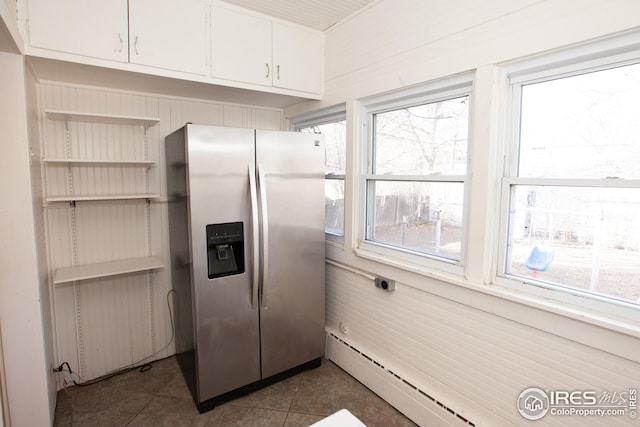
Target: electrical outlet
(344, 328)
(386, 284)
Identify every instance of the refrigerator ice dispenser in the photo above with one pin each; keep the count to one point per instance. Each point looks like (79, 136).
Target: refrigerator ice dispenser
(225, 249)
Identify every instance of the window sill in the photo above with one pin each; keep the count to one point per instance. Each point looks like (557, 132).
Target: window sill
(594, 328)
(599, 311)
(440, 269)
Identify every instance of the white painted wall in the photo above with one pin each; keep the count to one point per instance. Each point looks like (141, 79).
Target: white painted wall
(10, 37)
(3, 388)
(21, 295)
(35, 154)
(463, 341)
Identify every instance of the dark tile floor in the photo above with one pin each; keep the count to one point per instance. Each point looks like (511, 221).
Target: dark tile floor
(159, 397)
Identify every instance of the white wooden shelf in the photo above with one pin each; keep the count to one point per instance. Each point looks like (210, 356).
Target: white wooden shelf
(101, 162)
(97, 197)
(105, 269)
(100, 118)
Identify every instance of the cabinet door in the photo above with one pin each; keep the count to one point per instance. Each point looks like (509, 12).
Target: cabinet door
(240, 46)
(96, 28)
(297, 58)
(168, 34)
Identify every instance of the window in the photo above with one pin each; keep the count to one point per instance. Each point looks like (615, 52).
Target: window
(332, 125)
(572, 184)
(416, 170)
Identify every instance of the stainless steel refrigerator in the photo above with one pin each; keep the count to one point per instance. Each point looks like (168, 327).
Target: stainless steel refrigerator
(246, 220)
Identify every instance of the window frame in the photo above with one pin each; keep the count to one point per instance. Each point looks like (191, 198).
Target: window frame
(595, 56)
(328, 115)
(405, 258)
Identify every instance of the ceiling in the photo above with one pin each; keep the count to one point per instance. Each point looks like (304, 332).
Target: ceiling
(317, 14)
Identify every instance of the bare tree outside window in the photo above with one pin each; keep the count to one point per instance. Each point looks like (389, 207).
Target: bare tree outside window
(416, 191)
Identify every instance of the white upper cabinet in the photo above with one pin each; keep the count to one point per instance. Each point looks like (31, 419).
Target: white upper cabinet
(199, 40)
(240, 46)
(297, 58)
(159, 33)
(168, 34)
(94, 28)
(253, 48)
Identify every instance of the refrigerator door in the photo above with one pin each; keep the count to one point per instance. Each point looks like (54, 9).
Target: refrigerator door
(291, 181)
(227, 331)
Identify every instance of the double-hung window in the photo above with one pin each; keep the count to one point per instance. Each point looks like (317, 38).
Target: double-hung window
(571, 191)
(416, 171)
(332, 124)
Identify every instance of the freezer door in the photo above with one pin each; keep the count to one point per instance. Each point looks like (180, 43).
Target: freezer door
(227, 343)
(291, 182)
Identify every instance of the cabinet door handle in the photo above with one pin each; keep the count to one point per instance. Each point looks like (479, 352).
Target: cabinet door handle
(121, 43)
(135, 45)
(268, 71)
(278, 72)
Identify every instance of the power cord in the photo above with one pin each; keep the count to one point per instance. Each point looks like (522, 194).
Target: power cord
(142, 368)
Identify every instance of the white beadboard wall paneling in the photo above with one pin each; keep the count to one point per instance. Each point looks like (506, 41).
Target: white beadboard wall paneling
(370, 42)
(98, 141)
(113, 323)
(401, 43)
(84, 99)
(414, 402)
(104, 233)
(199, 113)
(109, 323)
(165, 127)
(107, 232)
(474, 362)
(162, 303)
(60, 254)
(259, 118)
(105, 324)
(210, 113)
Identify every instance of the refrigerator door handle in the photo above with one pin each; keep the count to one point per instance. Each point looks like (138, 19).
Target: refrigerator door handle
(262, 185)
(255, 226)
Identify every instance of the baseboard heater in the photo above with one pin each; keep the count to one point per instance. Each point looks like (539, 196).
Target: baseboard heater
(438, 406)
